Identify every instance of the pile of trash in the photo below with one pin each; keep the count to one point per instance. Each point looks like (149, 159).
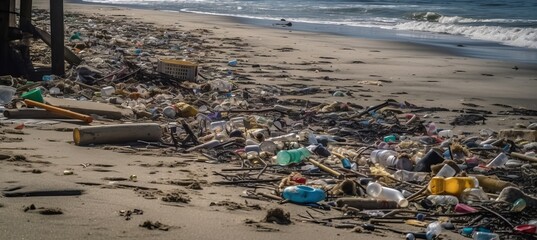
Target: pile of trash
(379, 164)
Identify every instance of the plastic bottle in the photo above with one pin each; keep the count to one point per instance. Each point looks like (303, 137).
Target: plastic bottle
(434, 229)
(169, 112)
(485, 236)
(519, 205)
(473, 195)
(389, 138)
(286, 157)
(269, 147)
(443, 200)
(492, 184)
(303, 194)
(378, 191)
(404, 175)
(452, 186)
(388, 158)
(446, 133)
(282, 108)
(431, 129)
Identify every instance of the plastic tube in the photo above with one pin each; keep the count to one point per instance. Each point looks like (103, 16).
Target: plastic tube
(31, 113)
(60, 111)
(119, 133)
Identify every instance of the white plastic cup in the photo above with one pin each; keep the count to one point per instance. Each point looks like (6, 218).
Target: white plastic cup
(107, 91)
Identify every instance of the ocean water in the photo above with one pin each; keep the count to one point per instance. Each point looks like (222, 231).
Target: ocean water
(490, 28)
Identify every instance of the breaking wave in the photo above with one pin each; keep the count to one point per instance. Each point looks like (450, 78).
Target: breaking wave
(513, 36)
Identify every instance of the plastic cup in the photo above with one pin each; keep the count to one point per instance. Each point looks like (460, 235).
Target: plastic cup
(107, 91)
(34, 95)
(498, 161)
(446, 171)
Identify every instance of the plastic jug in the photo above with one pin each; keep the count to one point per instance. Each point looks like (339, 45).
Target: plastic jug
(286, 157)
(452, 186)
(303, 194)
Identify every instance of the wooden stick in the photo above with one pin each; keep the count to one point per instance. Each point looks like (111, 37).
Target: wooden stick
(524, 157)
(60, 111)
(326, 168)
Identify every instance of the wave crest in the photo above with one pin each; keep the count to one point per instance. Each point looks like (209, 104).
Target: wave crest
(426, 16)
(519, 37)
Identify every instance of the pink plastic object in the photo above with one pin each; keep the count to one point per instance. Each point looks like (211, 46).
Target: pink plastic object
(526, 228)
(463, 208)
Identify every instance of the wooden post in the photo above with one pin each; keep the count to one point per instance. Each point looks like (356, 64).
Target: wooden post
(12, 15)
(25, 15)
(57, 37)
(4, 38)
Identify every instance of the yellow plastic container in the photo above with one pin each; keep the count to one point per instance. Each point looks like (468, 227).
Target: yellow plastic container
(451, 186)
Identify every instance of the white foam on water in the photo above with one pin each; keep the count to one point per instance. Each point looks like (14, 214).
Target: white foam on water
(519, 37)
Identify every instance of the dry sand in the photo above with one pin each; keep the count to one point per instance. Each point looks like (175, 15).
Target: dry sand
(428, 77)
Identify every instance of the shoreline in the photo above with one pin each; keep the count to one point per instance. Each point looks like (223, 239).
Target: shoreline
(457, 45)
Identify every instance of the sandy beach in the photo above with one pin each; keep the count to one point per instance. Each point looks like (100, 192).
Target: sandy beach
(369, 71)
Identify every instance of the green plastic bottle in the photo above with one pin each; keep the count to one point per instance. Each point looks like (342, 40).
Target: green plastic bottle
(286, 157)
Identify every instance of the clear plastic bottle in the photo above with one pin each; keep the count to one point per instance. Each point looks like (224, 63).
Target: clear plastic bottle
(404, 175)
(485, 236)
(388, 158)
(291, 137)
(446, 133)
(378, 191)
(434, 229)
(473, 195)
(443, 199)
